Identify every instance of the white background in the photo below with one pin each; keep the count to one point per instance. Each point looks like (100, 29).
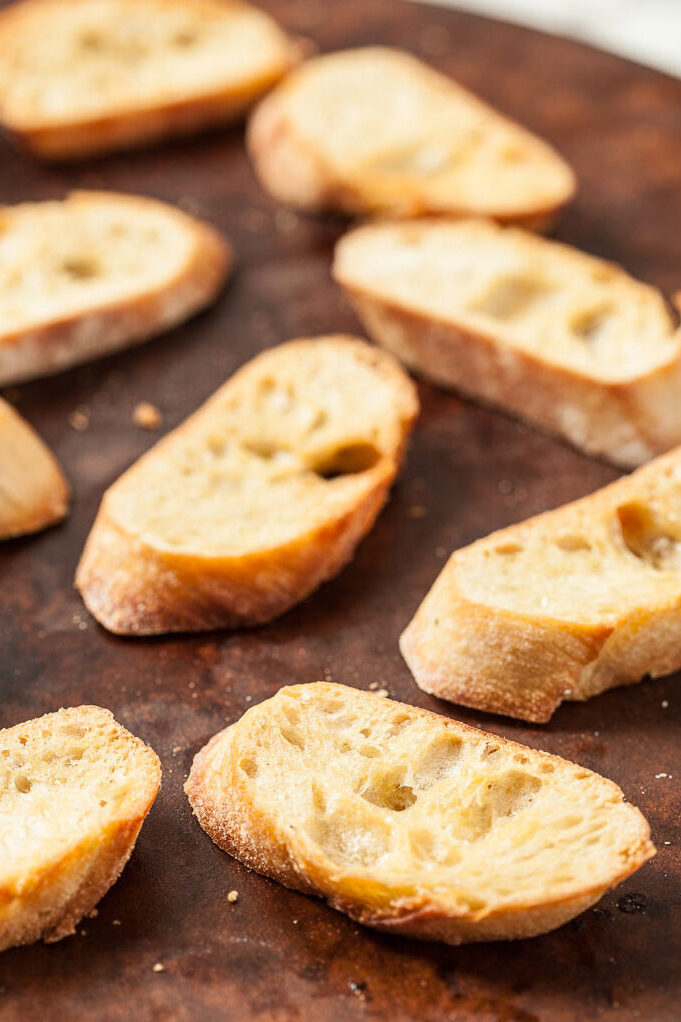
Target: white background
(645, 30)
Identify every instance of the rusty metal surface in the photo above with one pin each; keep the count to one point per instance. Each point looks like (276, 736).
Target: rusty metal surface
(276, 955)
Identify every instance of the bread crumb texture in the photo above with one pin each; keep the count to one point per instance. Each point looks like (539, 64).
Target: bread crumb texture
(131, 70)
(405, 140)
(147, 416)
(602, 608)
(33, 490)
(409, 821)
(75, 788)
(258, 497)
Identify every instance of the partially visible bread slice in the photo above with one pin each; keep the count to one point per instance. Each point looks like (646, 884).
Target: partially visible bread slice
(80, 77)
(75, 788)
(97, 272)
(410, 822)
(562, 606)
(257, 498)
(375, 130)
(560, 338)
(33, 490)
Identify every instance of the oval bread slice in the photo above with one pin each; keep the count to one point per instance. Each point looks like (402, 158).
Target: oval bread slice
(257, 498)
(410, 822)
(563, 339)
(95, 273)
(33, 490)
(562, 606)
(75, 788)
(80, 77)
(375, 130)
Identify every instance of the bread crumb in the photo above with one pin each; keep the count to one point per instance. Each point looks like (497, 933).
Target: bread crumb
(176, 749)
(159, 967)
(660, 776)
(417, 511)
(116, 922)
(147, 416)
(664, 704)
(83, 933)
(93, 914)
(232, 897)
(383, 692)
(79, 419)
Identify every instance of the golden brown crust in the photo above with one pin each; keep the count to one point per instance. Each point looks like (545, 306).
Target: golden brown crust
(494, 658)
(628, 423)
(134, 586)
(53, 902)
(140, 126)
(298, 174)
(59, 344)
(34, 493)
(233, 822)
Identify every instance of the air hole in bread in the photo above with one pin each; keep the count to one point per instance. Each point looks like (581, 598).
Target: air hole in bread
(490, 751)
(572, 543)
(508, 548)
(441, 758)
(398, 725)
(350, 459)
(103, 802)
(185, 39)
(22, 783)
(81, 267)
(425, 847)
(249, 766)
(508, 297)
(293, 736)
(365, 731)
(589, 325)
(369, 751)
(647, 539)
(386, 789)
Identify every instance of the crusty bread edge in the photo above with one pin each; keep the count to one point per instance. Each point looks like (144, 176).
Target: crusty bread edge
(297, 174)
(177, 592)
(621, 422)
(248, 837)
(54, 499)
(108, 328)
(41, 916)
(137, 127)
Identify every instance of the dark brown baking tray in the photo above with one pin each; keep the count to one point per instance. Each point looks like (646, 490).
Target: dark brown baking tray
(276, 955)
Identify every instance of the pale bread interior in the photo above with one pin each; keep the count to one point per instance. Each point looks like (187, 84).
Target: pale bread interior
(595, 560)
(297, 438)
(33, 491)
(69, 61)
(61, 259)
(540, 297)
(384, 119)
(66, 779)
(382, 803)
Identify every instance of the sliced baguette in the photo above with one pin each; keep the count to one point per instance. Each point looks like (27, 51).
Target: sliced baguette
(81, 77)
(33, 490)
(410, 822)
(257, 498)
(75, 788)
(562, 606)
(96, 272)
(564, 340)
(375, 130)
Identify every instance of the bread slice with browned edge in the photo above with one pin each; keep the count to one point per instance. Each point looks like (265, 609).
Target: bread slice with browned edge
(256, 499)
(97, 272)
(75, 788)
(33, 490)
(563, 339)
(375, 130)
(562, 606)
(410, 822)
(81, 77)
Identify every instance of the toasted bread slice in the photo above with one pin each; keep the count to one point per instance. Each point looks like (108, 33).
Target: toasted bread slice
(75, 788)
(257, 498)
(90, 76)
(33, 490)
(375, 130)
(564, 340)
(97, 272)
(410, 822)
(562, 606)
